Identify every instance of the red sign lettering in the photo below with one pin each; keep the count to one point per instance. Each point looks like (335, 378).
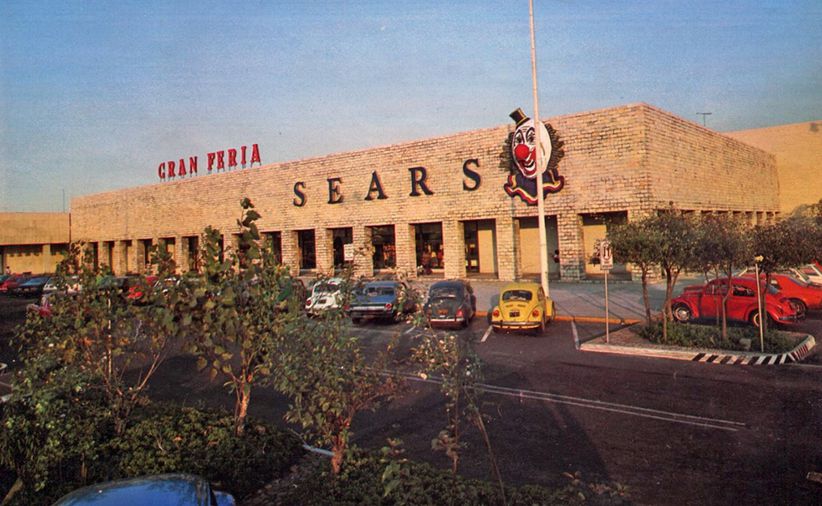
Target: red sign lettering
(216, 160)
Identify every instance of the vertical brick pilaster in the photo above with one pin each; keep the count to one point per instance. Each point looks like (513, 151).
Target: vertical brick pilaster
(453, 234)
(363, 251)
(571, 247)
(406, 249)
(507, 235)
(181, 253)
(138, 254)
(291, 251)
(46, 255)
(120, 266)
(324, 244)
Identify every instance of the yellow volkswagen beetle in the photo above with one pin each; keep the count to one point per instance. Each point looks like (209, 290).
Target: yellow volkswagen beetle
(522, 306)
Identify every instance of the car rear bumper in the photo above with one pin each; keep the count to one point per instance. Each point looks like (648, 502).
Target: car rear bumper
(501, 325)
(446, 321)
(370, 312)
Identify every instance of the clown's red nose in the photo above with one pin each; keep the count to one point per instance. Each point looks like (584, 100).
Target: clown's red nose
(522, 152)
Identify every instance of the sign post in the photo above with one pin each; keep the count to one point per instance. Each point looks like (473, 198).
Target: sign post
(606, 262)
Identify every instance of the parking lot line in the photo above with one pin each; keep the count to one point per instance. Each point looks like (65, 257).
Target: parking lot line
(625, 409)
(485, 336)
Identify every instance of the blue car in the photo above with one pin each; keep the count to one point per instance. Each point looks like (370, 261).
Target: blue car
(172, 489)
(380, 299)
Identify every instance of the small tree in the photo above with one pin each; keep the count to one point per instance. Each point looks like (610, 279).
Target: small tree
(677, 239)
(237, 310)
(722, 246)
(325, 373)
(638, 243)
(787, 243)
(98, 331)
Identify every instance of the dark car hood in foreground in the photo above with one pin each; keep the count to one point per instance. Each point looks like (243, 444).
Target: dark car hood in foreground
(171, 489)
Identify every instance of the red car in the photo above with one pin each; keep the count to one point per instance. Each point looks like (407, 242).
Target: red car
(804, 295)
(705, 302)
(13, 282)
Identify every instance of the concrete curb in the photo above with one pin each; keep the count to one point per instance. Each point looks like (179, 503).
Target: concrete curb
(801, 351)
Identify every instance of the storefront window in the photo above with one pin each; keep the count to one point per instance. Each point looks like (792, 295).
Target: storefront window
(430, 254)
(193, 253)
(274, 241)
(305, 242)
(385, 249)
(341, 237)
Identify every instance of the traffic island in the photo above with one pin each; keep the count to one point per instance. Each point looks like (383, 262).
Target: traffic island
(626, 342)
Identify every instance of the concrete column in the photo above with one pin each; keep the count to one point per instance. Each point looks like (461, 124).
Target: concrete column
(507, 248)
(119, 257)
(363, 251)
(453, 235)
(571, 247)
(291, 251)
(324, 250)
(406, 249)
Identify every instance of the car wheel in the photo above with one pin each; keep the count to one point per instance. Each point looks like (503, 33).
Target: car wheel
(754, 319)
(682, 313)
(801, 307)
(356, 321)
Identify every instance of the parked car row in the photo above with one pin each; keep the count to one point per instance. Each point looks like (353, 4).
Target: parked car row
(703, 302)
(24, 285)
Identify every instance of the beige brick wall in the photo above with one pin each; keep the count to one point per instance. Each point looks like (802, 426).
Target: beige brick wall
(34, 228)
(626, 158)
(798, 152)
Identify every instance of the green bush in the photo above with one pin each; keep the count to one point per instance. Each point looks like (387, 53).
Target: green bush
(359, 483)
(183, 439)
(52, 428)
(707, 336)
(53, 454)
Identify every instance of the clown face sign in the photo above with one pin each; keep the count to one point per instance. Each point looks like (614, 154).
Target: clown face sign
(522, 181)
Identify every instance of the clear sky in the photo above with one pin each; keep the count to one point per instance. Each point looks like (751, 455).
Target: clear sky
(94, 95)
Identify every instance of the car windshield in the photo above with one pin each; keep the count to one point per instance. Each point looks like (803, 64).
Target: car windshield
(800, 282)
(326, 287)
(521, 295)
(444, 292)
(374, 291)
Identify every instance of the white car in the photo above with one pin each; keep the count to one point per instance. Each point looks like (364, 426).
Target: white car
(813, 273)
(324, 295)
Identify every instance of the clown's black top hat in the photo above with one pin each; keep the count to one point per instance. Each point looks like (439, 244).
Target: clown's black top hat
(519, 117)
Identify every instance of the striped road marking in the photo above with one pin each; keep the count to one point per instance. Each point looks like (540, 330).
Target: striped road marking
(485, 336)
(625, 409)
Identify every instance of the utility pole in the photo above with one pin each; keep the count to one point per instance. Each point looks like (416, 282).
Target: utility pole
(703, 114)
(540, 162)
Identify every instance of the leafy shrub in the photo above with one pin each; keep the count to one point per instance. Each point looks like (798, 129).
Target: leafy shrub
(360, 482)
(708, 336)
(184, 439)
(51, 429)
(56, 455)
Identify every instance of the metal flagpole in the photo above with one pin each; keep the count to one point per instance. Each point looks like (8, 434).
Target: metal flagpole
(543, 241)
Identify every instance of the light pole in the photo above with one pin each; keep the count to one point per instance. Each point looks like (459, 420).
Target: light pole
(703, 114)
(538, 132)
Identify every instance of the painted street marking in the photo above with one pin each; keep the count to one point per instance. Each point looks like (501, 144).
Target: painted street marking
(625, 409)
(576, 334)
(485, 336)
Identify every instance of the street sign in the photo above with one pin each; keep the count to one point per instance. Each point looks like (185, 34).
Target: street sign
(606, 257)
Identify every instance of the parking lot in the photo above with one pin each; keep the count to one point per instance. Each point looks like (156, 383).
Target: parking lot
(672, 431)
